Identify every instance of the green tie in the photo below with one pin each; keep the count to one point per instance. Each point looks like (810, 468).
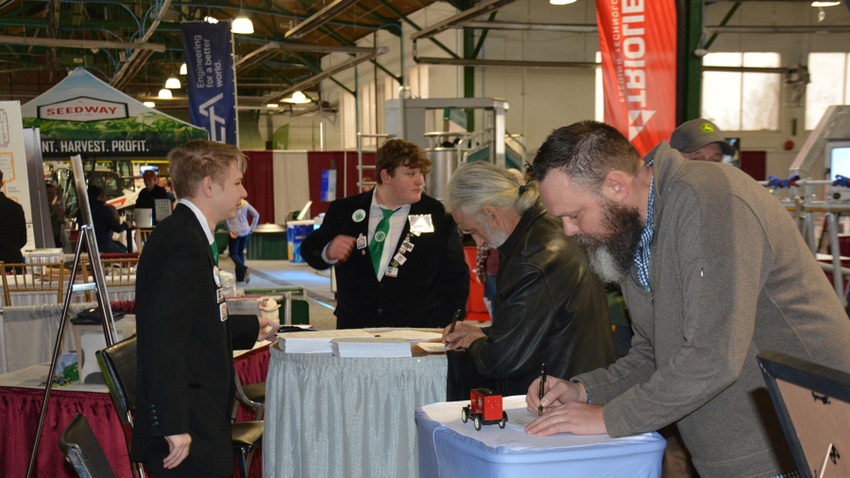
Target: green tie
(376, 247)
(214, 248)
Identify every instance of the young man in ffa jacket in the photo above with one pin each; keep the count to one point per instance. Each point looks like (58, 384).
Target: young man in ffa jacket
(398, 255)
(185, 335)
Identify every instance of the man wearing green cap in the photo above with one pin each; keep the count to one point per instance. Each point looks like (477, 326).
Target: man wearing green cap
(701, 140)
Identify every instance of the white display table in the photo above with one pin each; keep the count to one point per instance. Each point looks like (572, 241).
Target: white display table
(353, 417)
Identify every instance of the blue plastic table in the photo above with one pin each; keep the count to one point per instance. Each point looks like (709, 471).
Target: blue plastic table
(450, 448)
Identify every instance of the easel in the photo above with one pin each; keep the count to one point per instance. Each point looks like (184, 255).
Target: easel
(86, 238)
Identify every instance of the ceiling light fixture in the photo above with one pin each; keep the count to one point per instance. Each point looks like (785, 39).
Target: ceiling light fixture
(242, 24)
(165, 94)
(272, 105)
(172, 83)
(211, 20)
(297, 98)
(562, 2)
(825, 4)
(184, 69)
(149, 104)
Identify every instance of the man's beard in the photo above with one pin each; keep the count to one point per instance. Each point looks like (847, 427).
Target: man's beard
(612, 256)
(496, 237)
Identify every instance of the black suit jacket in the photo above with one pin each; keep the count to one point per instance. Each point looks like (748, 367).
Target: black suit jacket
(431, 285)
(185, 361)
(13, 230)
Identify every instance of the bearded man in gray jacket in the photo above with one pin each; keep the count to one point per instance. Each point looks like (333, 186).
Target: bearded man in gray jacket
(713, 271)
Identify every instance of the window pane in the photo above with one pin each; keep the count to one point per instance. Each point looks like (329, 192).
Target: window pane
(760, 93)
(761, 105)
(721, 91)
(722, 59)
(828, 73)
(756, 59)
(721, 99)
(741, 101)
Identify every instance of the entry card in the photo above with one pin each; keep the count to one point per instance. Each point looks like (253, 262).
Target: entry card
(420, 223)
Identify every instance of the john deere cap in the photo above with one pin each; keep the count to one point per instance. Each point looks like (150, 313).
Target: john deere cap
(694, 134)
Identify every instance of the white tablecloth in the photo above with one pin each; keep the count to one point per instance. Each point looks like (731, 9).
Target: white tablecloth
(330, 416)
(120, 292)
(28, 334)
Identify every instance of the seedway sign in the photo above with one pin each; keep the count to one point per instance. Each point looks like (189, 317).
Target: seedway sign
(83, 115)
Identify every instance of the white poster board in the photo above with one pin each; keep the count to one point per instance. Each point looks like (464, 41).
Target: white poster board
(13, 162)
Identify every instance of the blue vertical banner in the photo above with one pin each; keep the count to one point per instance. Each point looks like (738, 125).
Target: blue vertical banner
(212, 99)
(328, 185)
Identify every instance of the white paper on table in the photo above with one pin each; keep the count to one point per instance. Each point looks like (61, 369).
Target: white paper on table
(371, 347)
(448, 414)
(318, 342)
(410, 335)
(432, 347)
(519, 418)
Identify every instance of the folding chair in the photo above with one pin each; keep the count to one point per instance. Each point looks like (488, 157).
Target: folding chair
(118, 271)
(35, 277)
(252, 396)
(83, 451)
(118, 364)
(142, 235)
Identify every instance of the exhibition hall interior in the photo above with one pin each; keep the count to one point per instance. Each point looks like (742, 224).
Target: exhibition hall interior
(617, 238)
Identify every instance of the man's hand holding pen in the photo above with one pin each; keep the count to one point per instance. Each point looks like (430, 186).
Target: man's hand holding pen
(566, 409)
(462, 336)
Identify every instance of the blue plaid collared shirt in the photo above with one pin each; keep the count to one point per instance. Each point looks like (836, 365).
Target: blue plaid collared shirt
(642, 252)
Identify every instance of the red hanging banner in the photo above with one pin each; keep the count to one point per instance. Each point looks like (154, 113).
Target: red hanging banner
(637, 39)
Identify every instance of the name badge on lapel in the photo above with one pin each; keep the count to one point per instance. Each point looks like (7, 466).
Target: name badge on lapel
(400, 258)
(219, 295)
(420, 223)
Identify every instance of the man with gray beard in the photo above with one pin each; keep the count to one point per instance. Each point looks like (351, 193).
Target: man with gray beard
(549, 307)
(713, 271)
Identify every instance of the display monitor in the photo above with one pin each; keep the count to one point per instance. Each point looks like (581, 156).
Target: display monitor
(837, 156)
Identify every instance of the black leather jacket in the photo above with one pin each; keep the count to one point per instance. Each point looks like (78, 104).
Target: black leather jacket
(550, 308)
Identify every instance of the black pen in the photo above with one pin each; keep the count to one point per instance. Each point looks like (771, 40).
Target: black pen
(542, 385)
(454, 321)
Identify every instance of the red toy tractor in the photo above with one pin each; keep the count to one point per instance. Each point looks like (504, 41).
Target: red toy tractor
(485, 407)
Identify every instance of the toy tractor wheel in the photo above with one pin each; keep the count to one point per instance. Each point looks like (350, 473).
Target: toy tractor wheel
(503, 420)
(464, 414)
(477, 422)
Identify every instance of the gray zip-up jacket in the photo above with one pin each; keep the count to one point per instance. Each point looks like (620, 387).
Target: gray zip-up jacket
(730, 276)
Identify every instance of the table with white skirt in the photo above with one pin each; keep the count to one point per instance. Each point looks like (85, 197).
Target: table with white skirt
(341, 416)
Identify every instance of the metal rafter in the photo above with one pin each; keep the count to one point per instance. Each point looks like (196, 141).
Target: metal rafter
(323, 75)
(139, 57)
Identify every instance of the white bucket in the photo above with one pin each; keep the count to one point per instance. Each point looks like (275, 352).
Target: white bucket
(143, 217)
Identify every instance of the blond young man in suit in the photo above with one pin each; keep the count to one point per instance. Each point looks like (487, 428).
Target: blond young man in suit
(185, 335)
